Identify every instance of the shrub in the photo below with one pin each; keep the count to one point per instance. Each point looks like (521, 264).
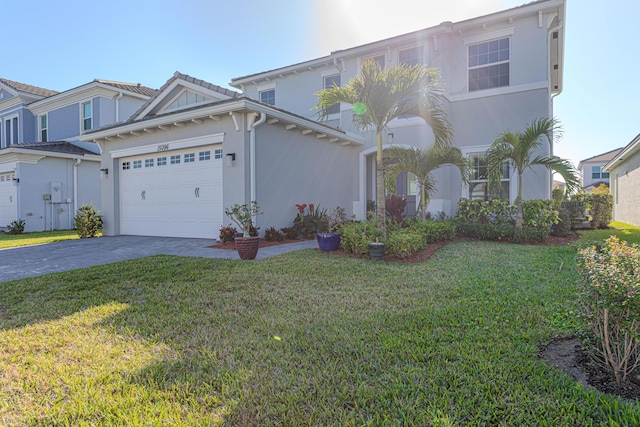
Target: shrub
(563, 226)
(290, 232)
(273, 235)
(435, 231)
(395, 206)
(495, 211)
(16, 227)
(610, 301)
(228, 233)
(357, 235)
(310, 220)
(404, 242)
(601, 210)
(576, 209)
(88, 221)
(557, 196)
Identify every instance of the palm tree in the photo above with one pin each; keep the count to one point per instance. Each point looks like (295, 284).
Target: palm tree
(518, 148)
(378, 96)
(421, 163)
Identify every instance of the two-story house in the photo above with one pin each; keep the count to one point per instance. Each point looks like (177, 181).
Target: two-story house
(500, 71)
(46, 172)
(592, 170)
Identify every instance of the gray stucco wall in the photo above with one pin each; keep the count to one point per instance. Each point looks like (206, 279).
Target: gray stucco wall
(625, 187)
(64, 122)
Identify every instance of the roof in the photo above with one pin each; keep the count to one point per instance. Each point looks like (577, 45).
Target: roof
(602, 158)
(446, 27)
(25, 88)
(131, 87)
(63, 147)
(630, 150)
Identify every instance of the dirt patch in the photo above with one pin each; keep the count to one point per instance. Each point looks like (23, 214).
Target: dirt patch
(263, 244)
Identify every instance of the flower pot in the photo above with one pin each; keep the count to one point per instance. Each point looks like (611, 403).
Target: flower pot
(247, 247)
(328, 241)
(376, 251)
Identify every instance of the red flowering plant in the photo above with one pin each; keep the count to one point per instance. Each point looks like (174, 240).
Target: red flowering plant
(309, 220)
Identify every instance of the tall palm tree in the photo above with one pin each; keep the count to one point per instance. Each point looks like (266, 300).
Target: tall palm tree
(422, 163)
(518, 148)
(378, 96)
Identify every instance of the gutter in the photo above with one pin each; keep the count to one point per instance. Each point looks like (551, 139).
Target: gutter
(251, 126)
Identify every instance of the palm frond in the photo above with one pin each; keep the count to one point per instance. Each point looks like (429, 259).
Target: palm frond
(561, 166)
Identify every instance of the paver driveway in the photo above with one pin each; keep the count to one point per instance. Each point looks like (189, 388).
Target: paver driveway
(31, 261)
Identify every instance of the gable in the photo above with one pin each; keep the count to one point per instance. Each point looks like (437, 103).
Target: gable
(186, 98)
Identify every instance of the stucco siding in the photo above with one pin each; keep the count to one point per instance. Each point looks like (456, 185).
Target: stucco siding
(625, 187)
(64, 122)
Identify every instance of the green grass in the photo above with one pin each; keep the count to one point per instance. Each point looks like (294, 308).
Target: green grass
(37, 238)
(301, 339)
(624, 231)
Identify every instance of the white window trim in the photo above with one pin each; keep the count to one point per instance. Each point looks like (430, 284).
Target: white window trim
(513, 178)
(486, 38)
(46, 115)
(265, 88)
(329, 73)
(371, 56)
(82, 118)
(13, 130)
(424, 53)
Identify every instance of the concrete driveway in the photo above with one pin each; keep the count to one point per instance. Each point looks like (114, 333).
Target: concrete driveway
(31, 261)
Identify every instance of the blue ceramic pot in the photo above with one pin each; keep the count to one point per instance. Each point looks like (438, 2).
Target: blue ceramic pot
(328, 241)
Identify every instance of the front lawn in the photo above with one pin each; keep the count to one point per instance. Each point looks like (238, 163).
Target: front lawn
(37, 238)
(301, 339)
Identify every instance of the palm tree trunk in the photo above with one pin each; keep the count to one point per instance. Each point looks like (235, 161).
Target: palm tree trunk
(519, 203)
(423, 206)
(380, 201)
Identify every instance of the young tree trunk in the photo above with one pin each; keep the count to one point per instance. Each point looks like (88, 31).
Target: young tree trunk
(519, 204)
(380, 201)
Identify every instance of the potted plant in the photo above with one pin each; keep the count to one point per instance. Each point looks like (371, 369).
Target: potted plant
(376, 250)
(330, 239)
(242, 215)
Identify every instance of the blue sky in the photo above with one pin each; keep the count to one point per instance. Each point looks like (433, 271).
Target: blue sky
(60, 45)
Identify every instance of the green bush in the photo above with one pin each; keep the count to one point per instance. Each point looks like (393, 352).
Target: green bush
(16, 227)
(435, 231)
(601, 210)
(563, 226)
(576, 208)
(356, 236)
(88, 221)
(610, 301)
(495, 211)
(273, 235)
(404, 242)
(290, 232)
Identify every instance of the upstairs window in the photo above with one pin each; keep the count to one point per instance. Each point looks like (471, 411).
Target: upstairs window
(328, 83)
(479, 183)
(489, 64)
(268, 96)
(377, 58)
(87, 116)
(43, 128)
(596, 173)
(411, 56)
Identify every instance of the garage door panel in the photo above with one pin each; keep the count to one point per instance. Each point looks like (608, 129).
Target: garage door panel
(177, 200)
(8, 199)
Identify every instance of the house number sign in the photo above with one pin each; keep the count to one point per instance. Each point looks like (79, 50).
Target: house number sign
(163, 147)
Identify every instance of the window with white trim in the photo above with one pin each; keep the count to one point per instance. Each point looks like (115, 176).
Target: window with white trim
(489, 64)
(137, 164)
(162, 161)
(479, 183)
(268, 96)
(11, 131)
(189, 158)
(411, 56)
(596, 173)
(87, 115)
(204, 155)
(175, 159)
(380, 59)
(43, 128)
(327, 83)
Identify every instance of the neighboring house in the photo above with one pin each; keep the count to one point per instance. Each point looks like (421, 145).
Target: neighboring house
(592, 172)
(624, 170)
(167, 173)
(46, 172)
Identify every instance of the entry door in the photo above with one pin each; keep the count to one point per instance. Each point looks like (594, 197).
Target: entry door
(8, 199)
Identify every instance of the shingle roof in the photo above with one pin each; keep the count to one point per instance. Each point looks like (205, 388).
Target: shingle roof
(131, 87)
(34, 90)
(604, 157)
(54, 146)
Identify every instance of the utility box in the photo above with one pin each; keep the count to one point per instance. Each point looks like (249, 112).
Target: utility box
(56, 191)
(46, 197)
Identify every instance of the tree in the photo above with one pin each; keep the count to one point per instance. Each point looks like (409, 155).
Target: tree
(421, 163)
(379, 95)
(518, 148)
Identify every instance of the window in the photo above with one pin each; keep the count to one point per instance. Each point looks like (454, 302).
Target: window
(596, 173)
(7, 130)
(87, 116)
(268, 96)
(479, 184)
(162, 161)
(189, 158)
(378, 58)
(489, 65)
(126, 166)
(204, 155)
(11, 131)
(411, 56)
(329, 82)
(137, 164)
(412, 184)
(148, 163)
(218, 153)
(175, 160)
(43, 128)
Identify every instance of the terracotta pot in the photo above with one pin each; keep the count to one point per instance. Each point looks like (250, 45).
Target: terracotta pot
(247, 247)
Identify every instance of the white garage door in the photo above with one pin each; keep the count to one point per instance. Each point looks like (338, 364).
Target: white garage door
(174, 193)
(8, 202)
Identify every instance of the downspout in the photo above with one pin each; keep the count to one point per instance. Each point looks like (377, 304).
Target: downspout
(118, 97)
(549, 35)
(253, 124)
(75, 186)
